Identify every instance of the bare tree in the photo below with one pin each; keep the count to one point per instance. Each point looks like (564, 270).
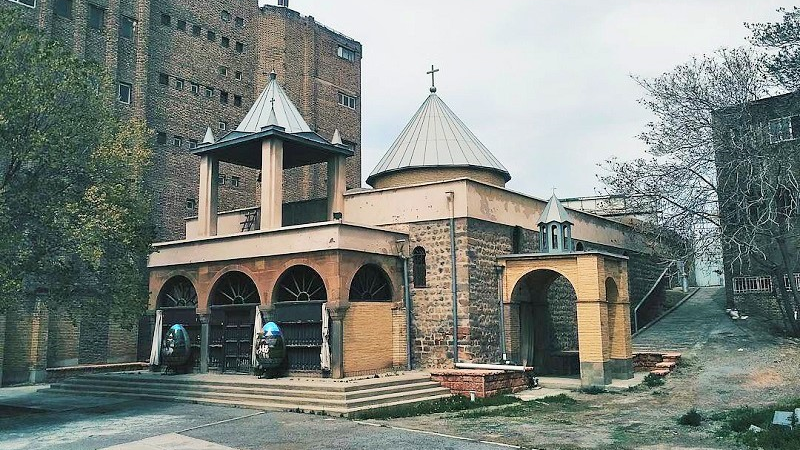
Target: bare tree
(704, 127)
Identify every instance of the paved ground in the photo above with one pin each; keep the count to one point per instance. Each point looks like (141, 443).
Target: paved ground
(687, 326)
(31, 420)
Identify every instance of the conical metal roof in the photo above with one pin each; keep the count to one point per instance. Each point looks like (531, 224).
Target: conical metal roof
(281, 112)
(436, 137)
(554, 212)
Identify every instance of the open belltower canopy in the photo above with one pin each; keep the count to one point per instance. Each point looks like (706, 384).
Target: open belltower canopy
(437, 141)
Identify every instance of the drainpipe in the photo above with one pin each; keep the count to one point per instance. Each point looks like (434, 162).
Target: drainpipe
(499, 269)
(407, 301)
(453, 285)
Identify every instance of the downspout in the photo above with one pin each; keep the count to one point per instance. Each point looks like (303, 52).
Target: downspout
(407, 301)
(453, 285)
(499, 270)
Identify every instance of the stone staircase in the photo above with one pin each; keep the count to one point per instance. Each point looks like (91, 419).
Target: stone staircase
(344, 398)
(657, 363)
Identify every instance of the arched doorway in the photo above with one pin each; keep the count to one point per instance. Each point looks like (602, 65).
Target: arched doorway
(232, 305)
(177, 301)
(545, 305)
(297, 309)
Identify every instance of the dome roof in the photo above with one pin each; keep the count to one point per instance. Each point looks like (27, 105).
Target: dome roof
(436, 137)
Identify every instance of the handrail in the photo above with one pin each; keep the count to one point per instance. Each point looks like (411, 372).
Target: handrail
(646, 296)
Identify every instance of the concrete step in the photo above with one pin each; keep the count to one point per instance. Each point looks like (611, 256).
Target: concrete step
(669, 365)
(660, 372)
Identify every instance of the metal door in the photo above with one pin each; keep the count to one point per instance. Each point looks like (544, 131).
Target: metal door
(301, 324)
(238, 339)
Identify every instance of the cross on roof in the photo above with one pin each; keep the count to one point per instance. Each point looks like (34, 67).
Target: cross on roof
(432, 73)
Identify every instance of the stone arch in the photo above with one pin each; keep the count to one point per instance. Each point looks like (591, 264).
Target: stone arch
(372, 284)
(224, 272)
(544, 319)
(178, 291)
(299, 282)
(233, 287)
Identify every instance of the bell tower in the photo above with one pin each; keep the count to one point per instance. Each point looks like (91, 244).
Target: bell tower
(555, 228)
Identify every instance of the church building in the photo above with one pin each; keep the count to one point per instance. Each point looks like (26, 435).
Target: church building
(437, 264)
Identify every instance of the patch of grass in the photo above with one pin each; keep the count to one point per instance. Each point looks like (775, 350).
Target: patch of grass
(692, 418)
(771, 437)
(554, 403)
(653, 380)
(593, 390)
(449, 404)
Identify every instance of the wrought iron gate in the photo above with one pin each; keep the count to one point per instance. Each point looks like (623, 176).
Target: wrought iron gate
(231, 338)
(301, 324)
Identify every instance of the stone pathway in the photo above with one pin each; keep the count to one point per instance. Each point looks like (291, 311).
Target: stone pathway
(687, 326)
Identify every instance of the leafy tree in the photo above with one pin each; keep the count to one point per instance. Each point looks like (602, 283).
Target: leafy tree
(704, 126)
(75, 216)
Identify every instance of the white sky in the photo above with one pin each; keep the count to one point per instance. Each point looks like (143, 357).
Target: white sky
(545, 85)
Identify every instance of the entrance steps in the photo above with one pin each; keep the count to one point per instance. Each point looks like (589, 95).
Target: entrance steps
(323, 396)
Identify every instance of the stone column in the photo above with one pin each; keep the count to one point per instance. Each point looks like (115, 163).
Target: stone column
(40, 324)
(208, 201)
(619, 324)
(271, 184)
(336, 341)
(592, 307)
(337, 185)
(2, 344)
(204, 333)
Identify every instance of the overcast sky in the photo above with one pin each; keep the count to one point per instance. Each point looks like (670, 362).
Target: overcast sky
(544, 84)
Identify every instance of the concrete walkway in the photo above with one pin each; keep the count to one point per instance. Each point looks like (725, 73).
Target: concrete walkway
(686, 326)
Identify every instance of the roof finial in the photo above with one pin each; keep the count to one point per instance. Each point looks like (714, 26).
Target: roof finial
(209, 137)
(337, 138)
(432, 73)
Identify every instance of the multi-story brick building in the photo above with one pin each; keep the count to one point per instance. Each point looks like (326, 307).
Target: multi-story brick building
(184, 66)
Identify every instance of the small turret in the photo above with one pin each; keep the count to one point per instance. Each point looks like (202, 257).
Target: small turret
(555, 228)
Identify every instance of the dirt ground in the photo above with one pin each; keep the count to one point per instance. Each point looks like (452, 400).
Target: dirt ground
(737, 364)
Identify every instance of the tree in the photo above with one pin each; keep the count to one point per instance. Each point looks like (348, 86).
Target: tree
(711, 170)
(75, 215)
(782, 39)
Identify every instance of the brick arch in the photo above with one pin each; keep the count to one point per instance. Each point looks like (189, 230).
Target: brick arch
(348, 279)
(221, 273)
(514, 280)
(381, 271)
(172, 276)
(325, 285)
(155, 289)
(271, 281)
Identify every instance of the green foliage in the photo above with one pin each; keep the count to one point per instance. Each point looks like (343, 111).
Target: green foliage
(75, 215)
(771, 437)
(449, 404)
(692, 418)
(653, 380)
(546, 405)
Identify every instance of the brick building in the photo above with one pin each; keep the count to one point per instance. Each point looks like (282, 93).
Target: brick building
(184, 66)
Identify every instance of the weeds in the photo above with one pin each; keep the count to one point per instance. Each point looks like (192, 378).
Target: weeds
(593, 390)
(771, 437)
(653, 380)
(691, 418)
(449, 404)
(561, 402)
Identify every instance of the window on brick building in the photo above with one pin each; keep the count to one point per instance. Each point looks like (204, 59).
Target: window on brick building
(239, 22)
(211, 35)
(179, 84)
(177, 141)
(225, 42)
(223, 125)
(181, 25)
(126, 27)
(195, 88)
(28, 3)
(239, 47)
(166, 20)
(97, 17)
(237, 100)
(223, 97)
(419, 267)
(223, 71)
(346, 53)
(191, 204)
(209, 92)
(161, 138)
(124, 93)
(221, 179)
(347, 100)
(192, 144)
(163, 79)
(234, 181)
(196, 30)
(238, 75)
(225, 16)
(63, 8)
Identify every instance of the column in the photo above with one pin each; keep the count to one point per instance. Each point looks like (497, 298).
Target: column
(208, 201)
(337, 185)
(204, 333)
(594, 348)
(40, 324)
(336, 341)
(619, 324)
(271, 184)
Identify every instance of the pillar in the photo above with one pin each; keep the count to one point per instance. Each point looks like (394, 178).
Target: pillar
(619, 324)
(204, 333)
(40, 325)
(593, 337)
(2, 344)
(337, 185)
(271, 184)
(336, 340)
(208, 201)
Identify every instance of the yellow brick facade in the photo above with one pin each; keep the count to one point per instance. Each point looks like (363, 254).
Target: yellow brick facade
(368, 338)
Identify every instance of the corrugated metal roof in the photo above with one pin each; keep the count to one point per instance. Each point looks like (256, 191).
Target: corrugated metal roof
(436, 137)
(554, 212)
(285, 113)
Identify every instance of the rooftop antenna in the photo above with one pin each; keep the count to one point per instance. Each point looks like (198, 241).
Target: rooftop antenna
(432, 73)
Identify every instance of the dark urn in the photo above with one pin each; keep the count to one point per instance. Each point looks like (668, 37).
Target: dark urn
(270, 350)
(175, 349)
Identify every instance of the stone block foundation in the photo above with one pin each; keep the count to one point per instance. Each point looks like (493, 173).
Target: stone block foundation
(485, 383)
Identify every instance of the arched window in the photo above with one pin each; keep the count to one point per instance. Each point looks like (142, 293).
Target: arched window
(370, 284)
(419, 267)
(234, 288)
(300, 284)
(579, 247)
(178, 292)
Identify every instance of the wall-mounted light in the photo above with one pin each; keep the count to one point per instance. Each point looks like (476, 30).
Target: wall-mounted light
(337, 215)
(400, 246)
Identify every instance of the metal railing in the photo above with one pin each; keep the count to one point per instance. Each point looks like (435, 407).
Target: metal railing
(649, 293)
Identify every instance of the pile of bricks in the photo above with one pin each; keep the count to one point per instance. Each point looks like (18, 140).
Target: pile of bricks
(657, 363)
(484, 383)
